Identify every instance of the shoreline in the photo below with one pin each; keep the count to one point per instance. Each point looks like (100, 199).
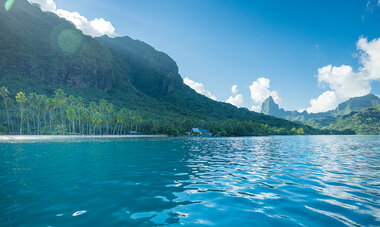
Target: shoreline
(39, 138)
(9, 138)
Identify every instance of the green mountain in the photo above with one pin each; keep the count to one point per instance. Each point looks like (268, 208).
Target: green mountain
(356, 114)
(269, 107)
(366, 121)
(357, 104)
(41, 52)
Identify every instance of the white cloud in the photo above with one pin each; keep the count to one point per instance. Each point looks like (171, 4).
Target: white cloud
(45, 5)
(370, 57)
(260, 92)
(198, 87)
(95, 28)
(326, 101)
(256, 108)
(236, 99)
(343, 82)
(234, 89)
(74, 17)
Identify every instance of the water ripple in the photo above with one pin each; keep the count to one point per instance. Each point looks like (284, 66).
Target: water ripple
(259, 181)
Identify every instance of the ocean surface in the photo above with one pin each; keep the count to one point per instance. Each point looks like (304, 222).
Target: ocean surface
(248, 181)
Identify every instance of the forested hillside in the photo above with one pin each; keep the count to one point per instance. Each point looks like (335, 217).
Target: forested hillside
(363, 122)
(355, 104)
(357, 115)
(42, 53)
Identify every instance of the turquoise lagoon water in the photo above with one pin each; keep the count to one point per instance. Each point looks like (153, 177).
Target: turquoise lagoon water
(251, 181)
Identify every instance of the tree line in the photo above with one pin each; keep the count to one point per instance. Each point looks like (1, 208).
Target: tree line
(36, 114)
(62, 114)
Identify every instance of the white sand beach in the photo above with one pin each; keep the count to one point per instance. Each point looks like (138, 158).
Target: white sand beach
(10, 138)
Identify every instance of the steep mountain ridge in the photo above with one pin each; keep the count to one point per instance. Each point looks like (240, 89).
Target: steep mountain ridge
(41, 52)
(365, 121)
(160, 71)
(35, 43)
(355, 104)
(359, 114)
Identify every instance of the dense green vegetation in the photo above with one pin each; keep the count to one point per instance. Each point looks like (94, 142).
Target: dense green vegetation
(62, 114)
(41, 53)
(363, 122)
(65, 114)
(356, 104)
(354, 115)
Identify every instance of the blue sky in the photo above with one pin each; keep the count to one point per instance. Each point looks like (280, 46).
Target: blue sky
(224, 43)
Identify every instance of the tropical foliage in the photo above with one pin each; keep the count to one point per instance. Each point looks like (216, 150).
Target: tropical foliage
(63, 114)
(48, 59)
(356, 104)
(363, 122)
(67, 114)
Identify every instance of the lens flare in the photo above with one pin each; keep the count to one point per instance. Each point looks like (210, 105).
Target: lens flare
(8, 4)
(69, 41)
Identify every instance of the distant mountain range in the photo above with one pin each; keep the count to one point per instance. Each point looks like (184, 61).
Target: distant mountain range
(40, 52)
(366, 121)
(351, 114)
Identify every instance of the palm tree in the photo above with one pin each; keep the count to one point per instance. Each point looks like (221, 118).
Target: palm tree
(4, 94)
(33, 102)
(138, 121)
(21, 99)
(60, 129)
(131, 117)
(86, 116)
(83, 117)
(156, 125)
(93, 115)
(60, 96)
(79, 107)
(103, 104)
(41, 106)
(96, 120)
(71, 115)
(27, 119)
(51, 106)
(108, 116)
(122, 115)
(71, 100)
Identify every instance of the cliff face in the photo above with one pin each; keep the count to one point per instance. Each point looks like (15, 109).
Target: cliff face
(356, 104)
(41, 52)
(40, 46)
(151, 71)
(43, 47)
(271, 108)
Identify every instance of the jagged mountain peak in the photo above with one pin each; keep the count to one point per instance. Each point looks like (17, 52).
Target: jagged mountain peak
(355, 104)
(270, 107)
